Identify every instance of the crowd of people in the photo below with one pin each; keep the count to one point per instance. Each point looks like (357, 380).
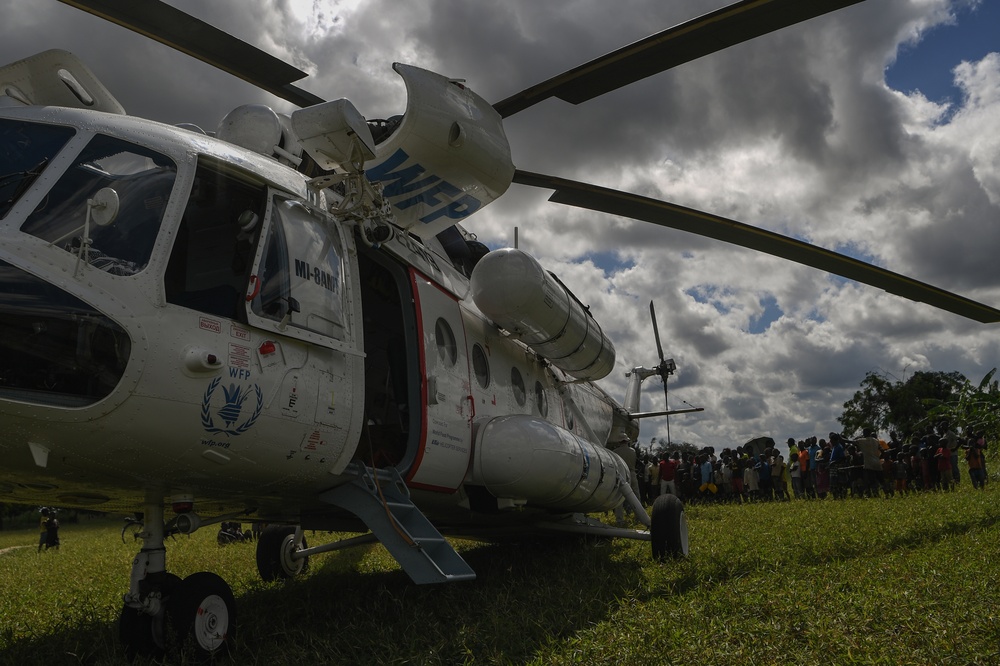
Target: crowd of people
(817, 468)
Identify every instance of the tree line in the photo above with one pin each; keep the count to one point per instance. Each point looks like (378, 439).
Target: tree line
(887, 404)
(907, 407)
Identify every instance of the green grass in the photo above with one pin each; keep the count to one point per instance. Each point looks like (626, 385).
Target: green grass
(911, 580)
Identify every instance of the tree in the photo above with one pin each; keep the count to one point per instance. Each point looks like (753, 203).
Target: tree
(661, 449)
(975, 407)
(869, 407)
(887, 405)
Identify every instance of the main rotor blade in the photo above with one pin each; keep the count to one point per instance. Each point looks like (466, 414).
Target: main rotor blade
(198, 39)
(656, 331)
(683, 43)
(615, 202)
(669, 412)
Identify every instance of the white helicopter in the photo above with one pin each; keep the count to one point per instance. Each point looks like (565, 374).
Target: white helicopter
(284, 321)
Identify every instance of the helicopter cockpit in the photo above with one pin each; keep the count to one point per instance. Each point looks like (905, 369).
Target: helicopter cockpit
(114, 222)
(141, 179)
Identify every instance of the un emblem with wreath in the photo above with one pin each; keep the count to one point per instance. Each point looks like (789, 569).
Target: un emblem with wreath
(235, 396)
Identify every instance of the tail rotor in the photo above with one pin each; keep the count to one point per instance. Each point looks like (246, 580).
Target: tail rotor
(665, 368)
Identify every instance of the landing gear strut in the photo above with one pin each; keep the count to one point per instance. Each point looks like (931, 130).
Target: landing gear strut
(199, 612)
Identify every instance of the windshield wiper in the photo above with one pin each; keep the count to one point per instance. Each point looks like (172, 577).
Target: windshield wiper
(22, 180)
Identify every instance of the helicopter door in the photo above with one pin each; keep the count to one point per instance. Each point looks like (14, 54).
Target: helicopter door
(299, 296)
(445, 444)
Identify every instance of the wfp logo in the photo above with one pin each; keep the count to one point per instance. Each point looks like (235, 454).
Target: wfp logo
(230, 408)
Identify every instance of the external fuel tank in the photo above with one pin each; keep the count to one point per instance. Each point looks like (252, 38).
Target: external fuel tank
(523, 457)
(511, 288)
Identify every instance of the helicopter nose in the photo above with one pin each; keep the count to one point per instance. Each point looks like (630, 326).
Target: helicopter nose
(57, 350)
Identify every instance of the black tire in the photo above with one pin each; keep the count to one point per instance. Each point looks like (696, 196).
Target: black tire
(202, 615)
(668, 528)
(142, 635)
(274, 549)
(135, 631)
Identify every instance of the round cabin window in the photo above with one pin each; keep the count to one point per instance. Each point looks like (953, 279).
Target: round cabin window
(480, 366)
(541, 401)
(517, 386)
(445, 339)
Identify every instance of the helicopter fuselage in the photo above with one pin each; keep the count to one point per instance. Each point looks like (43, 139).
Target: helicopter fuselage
(228, 338)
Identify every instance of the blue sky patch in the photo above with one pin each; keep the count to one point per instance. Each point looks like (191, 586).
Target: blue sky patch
(770, 315)
(927, 66)
(609, 262)
(814, 315)
(707, 293)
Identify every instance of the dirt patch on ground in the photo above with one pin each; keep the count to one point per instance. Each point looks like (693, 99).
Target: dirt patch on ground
(4, 551)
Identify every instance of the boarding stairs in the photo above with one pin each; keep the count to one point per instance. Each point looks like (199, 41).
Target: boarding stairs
(381, 499)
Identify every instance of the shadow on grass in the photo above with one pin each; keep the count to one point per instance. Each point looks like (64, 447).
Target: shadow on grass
(525, 597)
(74, 641)
(915, 538)
(724, 566)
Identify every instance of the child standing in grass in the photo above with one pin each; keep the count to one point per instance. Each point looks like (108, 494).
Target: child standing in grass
(795, 471)
(888, 476)
(52, 532)
(751, 480)
(974, 456)
(900, 472)
(778, 478)
(925, 467)
(737, 479)
(43, 528)
(916, 476)
(943, 457)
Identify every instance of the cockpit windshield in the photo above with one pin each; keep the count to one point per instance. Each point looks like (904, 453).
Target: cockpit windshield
(25, 150)
(142, 180)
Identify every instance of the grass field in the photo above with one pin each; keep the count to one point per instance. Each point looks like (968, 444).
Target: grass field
(907, 580)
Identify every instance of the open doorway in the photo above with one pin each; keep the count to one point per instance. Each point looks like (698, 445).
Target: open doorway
(392, 378)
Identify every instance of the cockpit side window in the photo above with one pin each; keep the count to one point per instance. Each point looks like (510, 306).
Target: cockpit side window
(55, 349)
(209, 265)
(25, 150)
(141, 178)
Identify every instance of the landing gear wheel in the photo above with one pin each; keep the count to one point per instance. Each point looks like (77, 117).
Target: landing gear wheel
(135, 630)
(141, 634)
(668, 528)
(202, 614)
(274, 553)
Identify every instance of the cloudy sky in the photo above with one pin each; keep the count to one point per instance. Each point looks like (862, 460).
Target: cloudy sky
(873, 131)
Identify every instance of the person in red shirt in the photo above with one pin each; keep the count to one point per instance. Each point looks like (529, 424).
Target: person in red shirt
(668, 474)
